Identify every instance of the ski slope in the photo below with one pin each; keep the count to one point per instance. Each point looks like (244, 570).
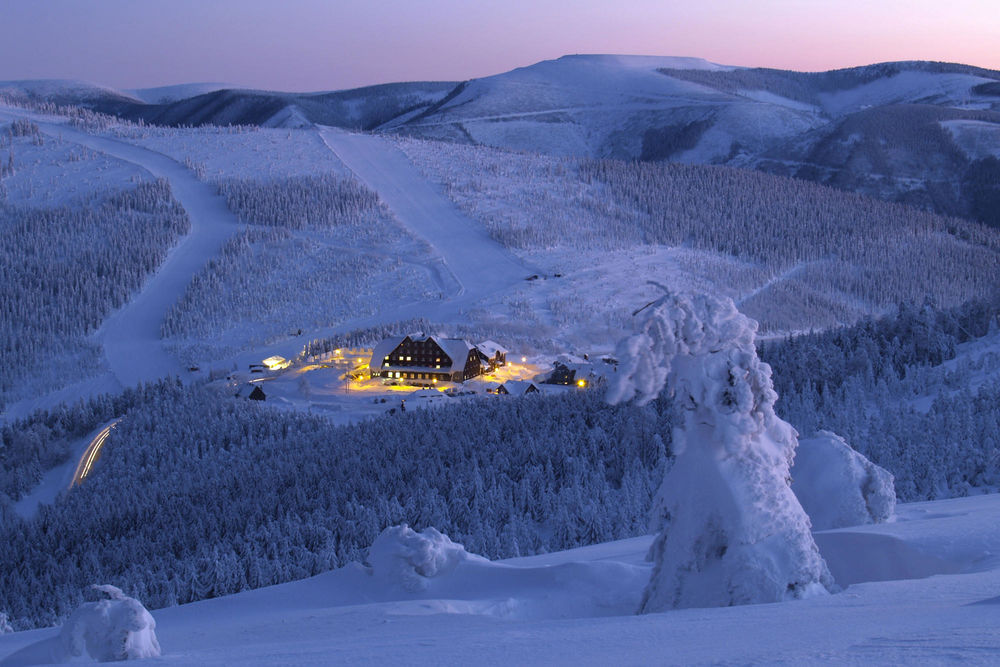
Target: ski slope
(931, 600)
(478, 264)
(131, 336)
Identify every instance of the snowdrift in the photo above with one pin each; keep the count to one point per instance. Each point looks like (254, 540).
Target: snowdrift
(838, 487)
(111, 630)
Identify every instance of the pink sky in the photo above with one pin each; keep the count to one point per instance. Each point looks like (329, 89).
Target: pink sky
(332, 44)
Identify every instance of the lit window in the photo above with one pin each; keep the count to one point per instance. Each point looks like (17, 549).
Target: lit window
(398, 374)
(408, 358)
(438, 366)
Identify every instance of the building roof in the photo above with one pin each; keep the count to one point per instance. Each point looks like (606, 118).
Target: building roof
(519, 387)
(490, 348)
(456, 348)
(383, 349)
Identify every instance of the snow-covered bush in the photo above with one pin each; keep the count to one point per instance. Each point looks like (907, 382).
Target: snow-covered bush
(109, 630)
(730, 529)
(839, 487)
(5, 626)
(407, 559)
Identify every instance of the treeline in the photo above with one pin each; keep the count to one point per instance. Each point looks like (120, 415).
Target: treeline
(302, 202)
(884, 385)
(63, 270)
(258, 497)
(841, 252)
(315, 240)
(366, 337)
(32, 446)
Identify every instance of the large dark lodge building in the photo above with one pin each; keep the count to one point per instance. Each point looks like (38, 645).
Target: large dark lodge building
(434, 359)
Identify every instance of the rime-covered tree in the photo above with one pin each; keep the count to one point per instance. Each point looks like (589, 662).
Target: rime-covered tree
(730, 529)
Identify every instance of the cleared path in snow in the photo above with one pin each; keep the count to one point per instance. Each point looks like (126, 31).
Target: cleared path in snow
(131, 336)
(479, 264)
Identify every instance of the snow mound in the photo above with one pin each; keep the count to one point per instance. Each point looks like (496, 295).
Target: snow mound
(408, 559)
(118, 628)
(838, 487)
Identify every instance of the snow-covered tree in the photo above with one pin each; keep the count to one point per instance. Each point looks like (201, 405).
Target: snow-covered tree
(730, 529)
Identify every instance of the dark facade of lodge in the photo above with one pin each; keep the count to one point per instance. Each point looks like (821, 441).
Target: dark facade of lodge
(562, 374)
(426, 358)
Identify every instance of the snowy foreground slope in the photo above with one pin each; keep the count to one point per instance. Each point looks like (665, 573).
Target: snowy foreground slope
(925, 589)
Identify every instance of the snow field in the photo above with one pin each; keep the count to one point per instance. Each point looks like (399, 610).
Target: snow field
(573, 607)
(239, 152)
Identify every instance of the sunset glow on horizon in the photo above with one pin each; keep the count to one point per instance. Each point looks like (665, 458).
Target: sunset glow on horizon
(303, 45)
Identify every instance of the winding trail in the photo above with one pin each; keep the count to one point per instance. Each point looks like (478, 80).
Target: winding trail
(130, 336)
(479, 264)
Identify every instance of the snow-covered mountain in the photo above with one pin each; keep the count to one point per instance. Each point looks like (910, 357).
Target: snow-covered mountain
(920, 132)
(899, 131)
(69, 92)
(181, 91)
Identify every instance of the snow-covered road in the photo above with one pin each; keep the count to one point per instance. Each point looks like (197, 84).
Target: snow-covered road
(131, 335)
(479, 263)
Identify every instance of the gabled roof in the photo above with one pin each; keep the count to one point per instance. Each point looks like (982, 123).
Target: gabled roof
(383, 349)
(519, 387)
(490, 348)
(456, 348)
(250, 390)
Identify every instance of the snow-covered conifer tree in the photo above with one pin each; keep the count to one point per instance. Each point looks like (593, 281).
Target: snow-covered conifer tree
(730, 529)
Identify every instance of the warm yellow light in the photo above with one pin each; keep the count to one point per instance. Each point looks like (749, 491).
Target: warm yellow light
(434, 381)
(581, 383)
(524, 359)
(276, 363)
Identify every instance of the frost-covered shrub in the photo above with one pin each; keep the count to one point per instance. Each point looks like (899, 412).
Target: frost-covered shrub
(118, 628)
(730, 529)
(406, 559)
(837, 486)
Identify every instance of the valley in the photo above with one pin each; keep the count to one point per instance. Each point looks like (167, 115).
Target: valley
(198, 277)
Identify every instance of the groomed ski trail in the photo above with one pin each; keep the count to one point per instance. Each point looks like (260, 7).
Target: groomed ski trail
(478, 263)
(130, 336)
